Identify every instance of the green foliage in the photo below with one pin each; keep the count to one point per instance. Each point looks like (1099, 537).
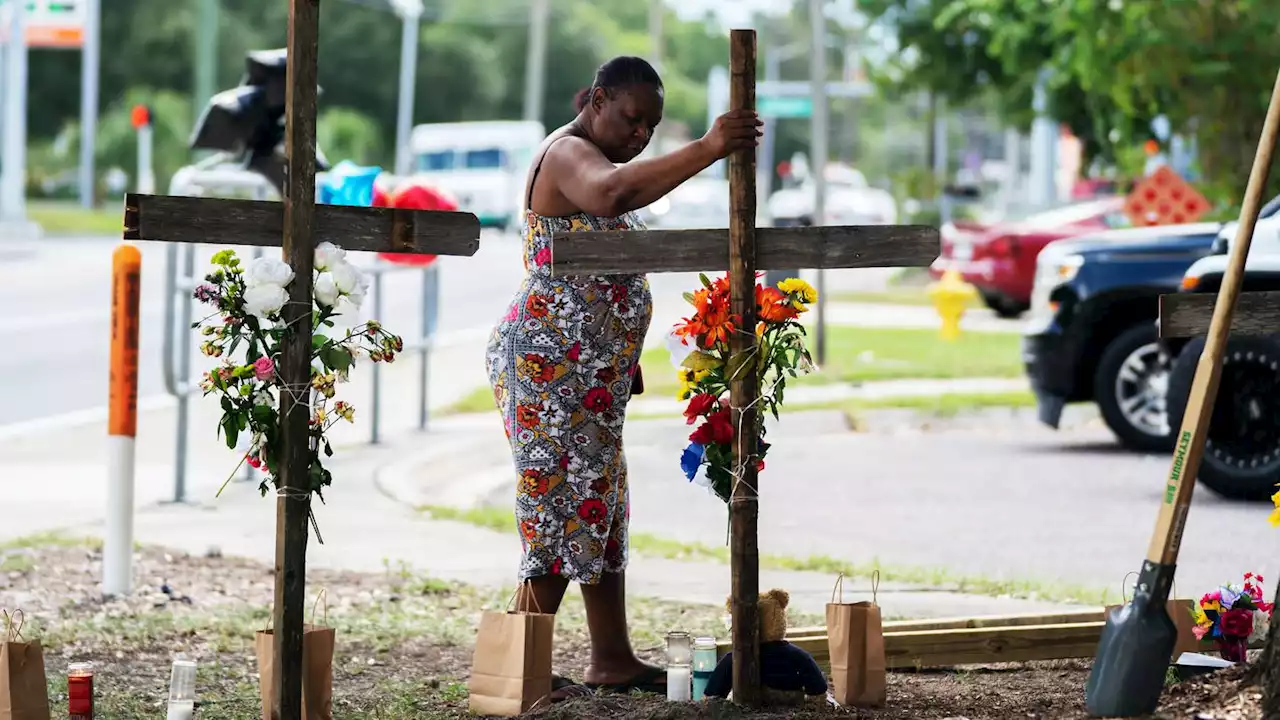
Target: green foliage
(345, 133)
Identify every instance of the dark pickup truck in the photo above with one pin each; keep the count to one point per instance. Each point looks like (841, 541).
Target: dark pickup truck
(1091, 334)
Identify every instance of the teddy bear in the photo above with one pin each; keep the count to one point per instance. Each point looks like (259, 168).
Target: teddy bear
(787, 672)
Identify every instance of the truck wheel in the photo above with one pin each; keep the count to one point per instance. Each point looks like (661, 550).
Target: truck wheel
(1130, 387)
(1242, 451)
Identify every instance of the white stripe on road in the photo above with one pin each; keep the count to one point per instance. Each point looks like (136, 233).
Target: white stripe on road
(93, 415)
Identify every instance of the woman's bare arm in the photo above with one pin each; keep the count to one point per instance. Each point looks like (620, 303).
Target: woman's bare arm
(597, 187)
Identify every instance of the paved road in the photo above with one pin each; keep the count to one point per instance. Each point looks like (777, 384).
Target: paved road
(995, 496)
(55, 296)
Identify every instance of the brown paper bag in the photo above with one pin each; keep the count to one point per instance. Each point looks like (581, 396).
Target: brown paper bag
(511, 669)
(855, 639)
(318, 643)
(24, 694)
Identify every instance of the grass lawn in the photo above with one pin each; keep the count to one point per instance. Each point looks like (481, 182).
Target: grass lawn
(69, 218)
(856, 354)
(897, 296)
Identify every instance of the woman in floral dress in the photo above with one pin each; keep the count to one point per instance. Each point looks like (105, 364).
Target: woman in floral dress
(563, 360)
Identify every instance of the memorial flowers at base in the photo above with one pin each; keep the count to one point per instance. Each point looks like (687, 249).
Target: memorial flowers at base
(699, 347)
(1234, 616)
(247, 333)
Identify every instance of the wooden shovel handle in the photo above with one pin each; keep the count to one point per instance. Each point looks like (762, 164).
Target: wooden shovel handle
(1189, 448)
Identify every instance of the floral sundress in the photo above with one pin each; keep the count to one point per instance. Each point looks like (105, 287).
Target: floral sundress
(561, 363)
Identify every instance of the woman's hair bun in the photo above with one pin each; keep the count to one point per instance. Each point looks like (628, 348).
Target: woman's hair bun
(581, 99)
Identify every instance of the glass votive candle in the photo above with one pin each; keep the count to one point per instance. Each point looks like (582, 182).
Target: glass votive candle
(679, 670)
(705, 659)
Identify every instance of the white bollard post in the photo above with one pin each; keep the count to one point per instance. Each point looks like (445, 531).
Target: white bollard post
(122, 420)
(146, 170)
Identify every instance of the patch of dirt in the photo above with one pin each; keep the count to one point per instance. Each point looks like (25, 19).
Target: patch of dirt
(404, 648)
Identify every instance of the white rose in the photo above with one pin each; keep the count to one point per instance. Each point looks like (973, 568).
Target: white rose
(264, 300)
(700, 478)
(325, 290)
(1261, 623)
(356, 298)
(328, 255)
(267, 271)
(678, 349)
(346, 276)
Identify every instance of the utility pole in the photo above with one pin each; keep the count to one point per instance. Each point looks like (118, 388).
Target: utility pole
(536, 63)
(410, 12)
(656, 43)
(205, 39)
(12, 181)
(89, 73)
(818, 148)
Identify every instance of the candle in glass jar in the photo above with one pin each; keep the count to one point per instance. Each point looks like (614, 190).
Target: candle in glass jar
(679, 683)
(704, 664)
(80, 691)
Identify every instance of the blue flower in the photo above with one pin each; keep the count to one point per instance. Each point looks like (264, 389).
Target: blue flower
(692, 459)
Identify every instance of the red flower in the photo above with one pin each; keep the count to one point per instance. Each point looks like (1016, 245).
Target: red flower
(717, 430)
(612, 550)
(598, 399)
(699, 405)
(542, 257)
(593, 510)
(528, 529)
(564, 462)
(606, 375)
(1237, 623)
(759, 465)
(557, 566)
(574, 352)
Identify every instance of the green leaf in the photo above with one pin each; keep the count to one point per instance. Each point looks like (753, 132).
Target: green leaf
(699, 360)
(231, 430)
(318, 341)
(706, 282)
(740, 365)
(688, 297)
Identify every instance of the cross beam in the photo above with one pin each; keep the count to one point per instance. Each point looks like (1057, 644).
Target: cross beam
(167, 218)
(850, 246)
(1188, 315)
(743, 249)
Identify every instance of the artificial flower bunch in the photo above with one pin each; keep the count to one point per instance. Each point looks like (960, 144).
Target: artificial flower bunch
(1234, 616)
(247, 332)
(699, 347)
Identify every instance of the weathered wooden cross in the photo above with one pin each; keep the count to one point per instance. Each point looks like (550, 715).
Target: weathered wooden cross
(297, 225)
(746, 250)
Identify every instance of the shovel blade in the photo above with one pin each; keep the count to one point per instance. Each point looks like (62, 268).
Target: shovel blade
(1129, 671)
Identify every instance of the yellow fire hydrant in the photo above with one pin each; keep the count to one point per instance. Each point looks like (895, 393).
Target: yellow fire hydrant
(950, 296)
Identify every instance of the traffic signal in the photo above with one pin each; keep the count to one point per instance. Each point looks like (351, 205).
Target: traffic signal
(248, 121)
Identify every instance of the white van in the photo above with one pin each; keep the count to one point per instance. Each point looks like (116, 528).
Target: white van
(483, 164)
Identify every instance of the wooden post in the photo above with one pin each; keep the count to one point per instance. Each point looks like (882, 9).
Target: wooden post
(293, 502)
(743, 504)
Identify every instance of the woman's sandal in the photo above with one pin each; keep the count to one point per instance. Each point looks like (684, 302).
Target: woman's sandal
(560, 683)
(651, 680)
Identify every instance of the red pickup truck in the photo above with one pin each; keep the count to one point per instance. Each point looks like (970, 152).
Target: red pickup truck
(1000, 259)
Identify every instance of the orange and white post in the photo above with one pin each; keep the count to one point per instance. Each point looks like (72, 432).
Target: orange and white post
(122, 419)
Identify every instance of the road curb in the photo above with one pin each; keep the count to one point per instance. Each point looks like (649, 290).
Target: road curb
(471, 455)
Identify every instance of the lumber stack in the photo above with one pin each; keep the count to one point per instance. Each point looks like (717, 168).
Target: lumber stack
(917, 644)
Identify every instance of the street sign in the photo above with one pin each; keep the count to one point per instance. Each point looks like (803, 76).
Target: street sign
(1163, 198)
(785, 106)
(50, 23)
(771, 88)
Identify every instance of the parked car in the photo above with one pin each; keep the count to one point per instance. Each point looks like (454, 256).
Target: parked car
(850, 200)
(1242, 450)
(1000, 259)
(1091, 334)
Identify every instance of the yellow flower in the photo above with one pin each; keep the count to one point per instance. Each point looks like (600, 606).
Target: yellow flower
(1213, 605)
(1274, 518)
(689, 379)
(801, 291)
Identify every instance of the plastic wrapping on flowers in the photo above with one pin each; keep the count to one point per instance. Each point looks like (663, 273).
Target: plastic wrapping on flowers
(246, 331)
(1234, 616)
(699, 348)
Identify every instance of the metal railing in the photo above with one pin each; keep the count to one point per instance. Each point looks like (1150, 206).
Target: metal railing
(216, 176)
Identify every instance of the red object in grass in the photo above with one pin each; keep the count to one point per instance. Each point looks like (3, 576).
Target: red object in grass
(140, 116)
(415, 196)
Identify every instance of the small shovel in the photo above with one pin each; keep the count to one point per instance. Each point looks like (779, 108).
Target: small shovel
(1133, 655)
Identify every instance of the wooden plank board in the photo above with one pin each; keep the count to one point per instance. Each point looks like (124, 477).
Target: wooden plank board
(851, 246)
(170, 218)
(987, 621)
(1188, 315)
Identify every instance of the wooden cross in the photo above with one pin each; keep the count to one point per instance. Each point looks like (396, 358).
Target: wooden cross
(297, 226)
(747, 249)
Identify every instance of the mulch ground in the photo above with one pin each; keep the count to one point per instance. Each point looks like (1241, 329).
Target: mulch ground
(404, 649)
